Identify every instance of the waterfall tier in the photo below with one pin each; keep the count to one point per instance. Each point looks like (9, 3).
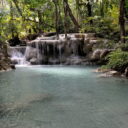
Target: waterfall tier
(48, 50)
(17, 55)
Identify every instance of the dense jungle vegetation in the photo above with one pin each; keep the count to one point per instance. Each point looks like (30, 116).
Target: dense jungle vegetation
(106, 18)
(23, 17)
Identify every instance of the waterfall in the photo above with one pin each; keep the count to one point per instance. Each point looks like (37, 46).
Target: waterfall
(60, 54)
(49, 50)
(54, 53)
(17, 55)
(38, 55)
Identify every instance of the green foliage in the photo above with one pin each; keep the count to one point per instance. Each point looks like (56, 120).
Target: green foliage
(105, 20)
(26, 19)
(118, 60)
(103, 27)
(124, 47)
(126, 8)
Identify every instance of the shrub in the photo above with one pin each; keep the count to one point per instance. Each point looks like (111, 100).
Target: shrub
(118, 60)
(124, 46)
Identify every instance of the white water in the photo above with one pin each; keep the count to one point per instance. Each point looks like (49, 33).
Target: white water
(48, 50)
(60, 54)
(18, 57)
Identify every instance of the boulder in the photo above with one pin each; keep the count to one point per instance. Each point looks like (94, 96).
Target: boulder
(100, 54)
(100, 70)
(114, 73)
(110, 73)
(13, 66)
(14, 61)
(34, 61)
(126, 72)
(96, 55)
(104, 53)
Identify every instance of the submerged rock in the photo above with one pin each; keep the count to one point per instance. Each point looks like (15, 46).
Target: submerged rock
(114, 73)
(100, 70)
(107, 73)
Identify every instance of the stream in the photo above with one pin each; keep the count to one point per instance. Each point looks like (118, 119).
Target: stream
(62, 97)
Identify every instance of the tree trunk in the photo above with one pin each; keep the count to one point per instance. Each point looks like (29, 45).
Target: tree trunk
(122, 21)
(65, 19)
(89, 8)
(56, 19)
(18, 8)
(11, 21)
(71, 15)
(78, 9)
(40, 21)
(101, 8)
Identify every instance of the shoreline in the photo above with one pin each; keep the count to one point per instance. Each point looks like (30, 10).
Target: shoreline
(106, 73)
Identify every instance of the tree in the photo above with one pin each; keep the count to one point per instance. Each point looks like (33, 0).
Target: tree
(89, 8)
(65, 19)
(69, 11)
(57, 15)
(122, 20)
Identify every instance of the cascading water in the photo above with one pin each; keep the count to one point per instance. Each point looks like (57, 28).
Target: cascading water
(49, 50)
(38, 55)
(17, 55)
(52, 51)
(60, 54)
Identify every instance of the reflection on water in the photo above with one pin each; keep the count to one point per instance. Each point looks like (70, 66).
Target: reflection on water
(62, 97)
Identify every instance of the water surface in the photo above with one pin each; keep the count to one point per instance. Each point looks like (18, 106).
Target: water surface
(62, 97)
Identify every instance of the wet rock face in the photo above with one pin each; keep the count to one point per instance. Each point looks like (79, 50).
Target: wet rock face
(99, 55)
(126, 72)
(14, 41)
(48, 51)
(4, 59)
(34, 61)
(77, 49)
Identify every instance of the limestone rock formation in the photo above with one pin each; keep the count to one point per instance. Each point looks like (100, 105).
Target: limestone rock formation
(78, 49)
(49, 50)
(126, 72)
(4, 59)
